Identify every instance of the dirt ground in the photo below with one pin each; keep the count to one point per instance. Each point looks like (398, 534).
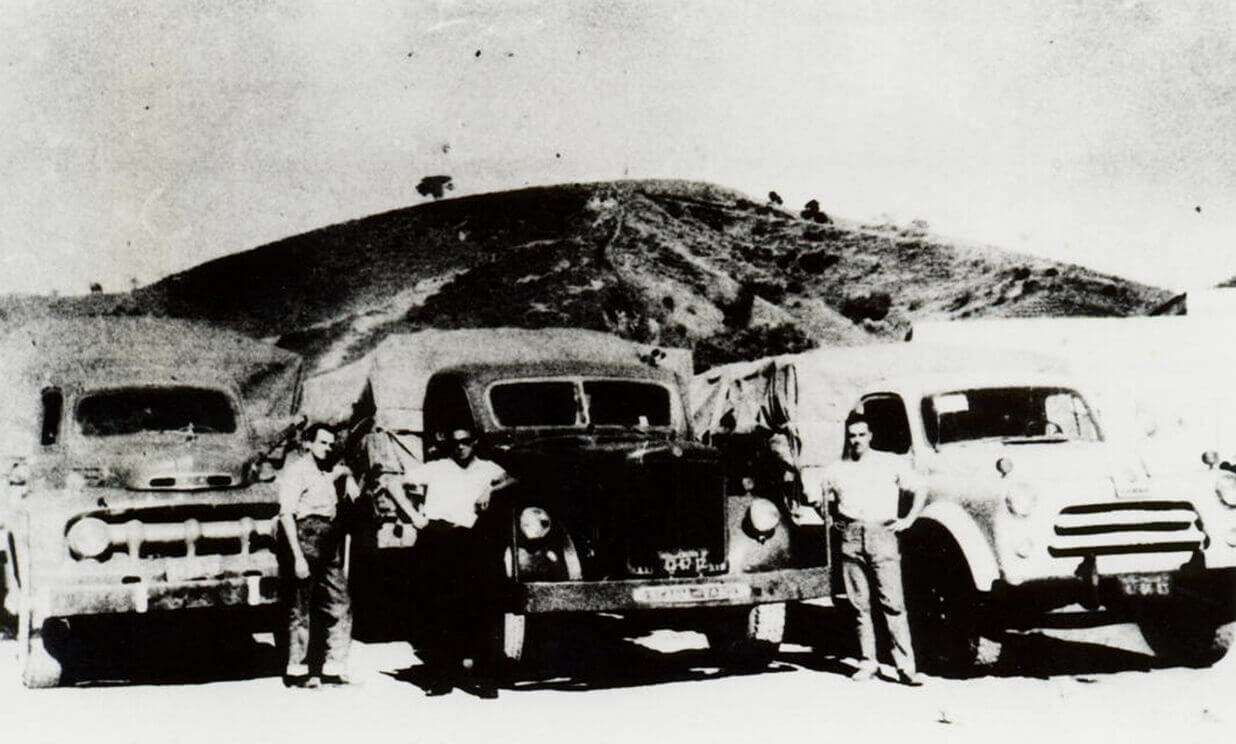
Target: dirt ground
(606, 685)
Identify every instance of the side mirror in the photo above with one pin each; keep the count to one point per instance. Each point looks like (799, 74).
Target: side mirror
(1210, 458)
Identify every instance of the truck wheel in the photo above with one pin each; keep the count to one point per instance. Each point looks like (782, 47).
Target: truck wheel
(38, 667)
(944, 610)
(1185, 634)
(748, 638)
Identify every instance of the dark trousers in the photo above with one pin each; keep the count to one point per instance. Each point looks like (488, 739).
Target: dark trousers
(451, 595)
(319, 609)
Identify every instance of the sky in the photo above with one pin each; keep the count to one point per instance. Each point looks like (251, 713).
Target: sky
(140, 139)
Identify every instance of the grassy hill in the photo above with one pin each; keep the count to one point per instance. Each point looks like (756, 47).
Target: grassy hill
(672, 262)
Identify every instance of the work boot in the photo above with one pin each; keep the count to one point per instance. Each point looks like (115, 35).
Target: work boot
(865, 671)
(302, 681)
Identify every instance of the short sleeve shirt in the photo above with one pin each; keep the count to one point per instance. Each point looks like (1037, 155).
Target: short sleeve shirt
(305, 490)
(869, 490)
(451, 492)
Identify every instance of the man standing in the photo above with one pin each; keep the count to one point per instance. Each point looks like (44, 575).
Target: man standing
(310, 490)
(456, 489)
(863, 491)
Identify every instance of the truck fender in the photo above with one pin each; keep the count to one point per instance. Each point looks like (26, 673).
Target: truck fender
(949, 516)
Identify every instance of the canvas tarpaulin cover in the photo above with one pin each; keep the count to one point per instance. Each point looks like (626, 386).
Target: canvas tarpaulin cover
(391, 379)
(809, 395)
(44, 352)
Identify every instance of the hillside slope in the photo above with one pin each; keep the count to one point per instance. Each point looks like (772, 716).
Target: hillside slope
(662, 261)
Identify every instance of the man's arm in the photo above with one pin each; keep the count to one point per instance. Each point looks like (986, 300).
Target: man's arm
(402, 489)
(289, 495)
(351, 489)
(501, 480)
(908, 481)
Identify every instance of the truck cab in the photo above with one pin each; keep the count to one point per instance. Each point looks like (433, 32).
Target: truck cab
(131, 489)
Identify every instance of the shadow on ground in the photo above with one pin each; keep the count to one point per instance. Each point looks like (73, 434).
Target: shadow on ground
(601, 652)
(604, 653)
(828, 636)
(142, 651)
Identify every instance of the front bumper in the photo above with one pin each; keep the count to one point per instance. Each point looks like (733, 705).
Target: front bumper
(142, 596)
(1021, 605)
(729, 590)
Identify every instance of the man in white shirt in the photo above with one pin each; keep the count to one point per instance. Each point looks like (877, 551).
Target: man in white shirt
(863, 490)
(456, 490)
(310, 489)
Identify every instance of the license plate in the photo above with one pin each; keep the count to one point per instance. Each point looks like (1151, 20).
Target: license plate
(689, 593)
(187, 569)
(1146, 585)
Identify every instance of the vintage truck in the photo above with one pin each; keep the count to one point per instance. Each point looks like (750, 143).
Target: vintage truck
(1031, 505)
(132, 481)
(616, 507)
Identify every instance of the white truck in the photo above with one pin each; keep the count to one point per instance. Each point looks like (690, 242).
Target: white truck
(1031, 505)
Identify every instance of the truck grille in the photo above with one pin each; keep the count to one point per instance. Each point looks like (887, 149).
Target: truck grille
(675, 512)
(1123, 528)
(179, 532)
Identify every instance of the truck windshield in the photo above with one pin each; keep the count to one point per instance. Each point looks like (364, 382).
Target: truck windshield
(1021, 414)
(136, 410)
(580, 403)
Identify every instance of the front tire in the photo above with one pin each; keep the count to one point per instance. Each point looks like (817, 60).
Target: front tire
(1185, 634)
(750, 637)
(944, 609)
(39, 669)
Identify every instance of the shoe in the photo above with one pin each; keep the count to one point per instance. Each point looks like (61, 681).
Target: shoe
(438, 689)
(303, 681)
(909, 679)
(336, 680)
(484, 689)
(865, 671)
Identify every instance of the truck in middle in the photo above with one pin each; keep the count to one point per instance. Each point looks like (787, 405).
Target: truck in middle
(616, 508)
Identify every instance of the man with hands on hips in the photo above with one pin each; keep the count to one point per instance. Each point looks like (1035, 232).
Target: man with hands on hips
(863, 493)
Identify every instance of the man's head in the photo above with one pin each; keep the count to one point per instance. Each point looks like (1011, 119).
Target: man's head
(857, 437)
(462, 445)
(320, 439)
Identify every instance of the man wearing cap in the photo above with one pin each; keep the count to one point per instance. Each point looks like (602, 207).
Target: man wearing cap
(863, 493)
(310, 490)
(455, 490)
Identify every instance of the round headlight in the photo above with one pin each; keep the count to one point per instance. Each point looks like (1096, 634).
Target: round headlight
(534, 522)
(1225, 489)
(1021, 500)
(1005, 466)
(764, 516)
(88, 537)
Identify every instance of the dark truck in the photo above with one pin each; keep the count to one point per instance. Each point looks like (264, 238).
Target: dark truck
(616, 508)
(132, 480)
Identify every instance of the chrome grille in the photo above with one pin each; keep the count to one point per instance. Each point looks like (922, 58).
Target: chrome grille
(1126, 527)
(187, 532)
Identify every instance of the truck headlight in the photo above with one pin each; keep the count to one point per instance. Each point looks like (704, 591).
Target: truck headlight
(1021, 500)
(1225, 489)
(88, 537)
(763, 516)
(534, 523)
